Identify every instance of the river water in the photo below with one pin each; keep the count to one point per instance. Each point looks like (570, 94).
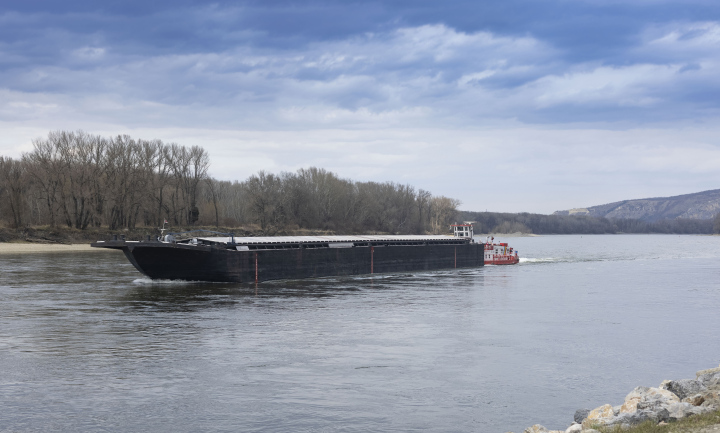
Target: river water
(88, 344)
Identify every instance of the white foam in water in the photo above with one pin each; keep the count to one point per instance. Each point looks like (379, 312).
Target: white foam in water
(149, 282)
(537, 260)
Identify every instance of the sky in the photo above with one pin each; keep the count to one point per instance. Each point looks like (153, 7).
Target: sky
(506, 105)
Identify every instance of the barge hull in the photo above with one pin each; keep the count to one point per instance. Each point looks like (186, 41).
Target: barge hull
(209, 263)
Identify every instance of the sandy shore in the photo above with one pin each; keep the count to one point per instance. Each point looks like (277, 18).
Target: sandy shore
(29, 248)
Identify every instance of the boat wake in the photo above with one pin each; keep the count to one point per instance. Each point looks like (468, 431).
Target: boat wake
(540, 260)
(149, 282)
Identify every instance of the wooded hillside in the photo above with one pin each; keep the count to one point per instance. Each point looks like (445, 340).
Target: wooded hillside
(493, 222)
(700, 206)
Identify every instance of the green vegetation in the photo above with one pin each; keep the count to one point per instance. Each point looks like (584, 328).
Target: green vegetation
(691, 424)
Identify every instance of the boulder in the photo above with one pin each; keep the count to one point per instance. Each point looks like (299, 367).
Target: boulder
(708, 371)
(604, 411)
(685, 387)
(671, 401)
(710, 380)
(641, 404)
(630, 405)
(652, 405)
(537, 428)
(574, 428)
(643, 394)
(711, 400)
(695, 400)
(600, 415)
(580, 415)
(682, 410)
(626, 420)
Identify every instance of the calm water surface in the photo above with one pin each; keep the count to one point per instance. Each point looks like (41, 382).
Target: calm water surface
(87, 344)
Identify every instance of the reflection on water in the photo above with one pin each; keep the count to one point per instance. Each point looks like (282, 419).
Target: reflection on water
(87, 343)
(205, 295)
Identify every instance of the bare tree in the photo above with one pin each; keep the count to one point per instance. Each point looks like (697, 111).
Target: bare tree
(266, 199)
(423, 209)
(76, 152)
(214, 191)
(442, 213)
(189, 168)
(82, 179)
(159, 180)
(13, 179)
(122, 160)
(43, 168)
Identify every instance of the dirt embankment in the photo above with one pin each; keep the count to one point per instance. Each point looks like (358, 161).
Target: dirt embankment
(68, 236)
(62, 235)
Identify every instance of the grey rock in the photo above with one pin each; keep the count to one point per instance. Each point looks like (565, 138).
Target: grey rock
(679, 410)
(575, 428)
(537, 428)
(623, 420)
(651, 405)
(641, 416)
(685, 387)
(695, 400)
(711, 400)
(645, 394)
(629, 419)
(683, 410)
(661, 415)
(580, 415)
(710, 380)
(708, 371)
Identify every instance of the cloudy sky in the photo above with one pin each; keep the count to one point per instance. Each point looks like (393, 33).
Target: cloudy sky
(506, 105)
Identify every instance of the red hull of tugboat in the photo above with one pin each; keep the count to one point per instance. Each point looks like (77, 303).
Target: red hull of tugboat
(503, 260)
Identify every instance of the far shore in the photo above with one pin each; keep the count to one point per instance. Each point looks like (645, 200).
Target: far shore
(35, 247)
(507, 235)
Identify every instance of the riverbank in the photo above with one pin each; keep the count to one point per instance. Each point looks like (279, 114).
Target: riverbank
(67, 236)
(34, 248)
(685, 405)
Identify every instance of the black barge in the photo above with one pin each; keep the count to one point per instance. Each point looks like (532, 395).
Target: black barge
(256, 259)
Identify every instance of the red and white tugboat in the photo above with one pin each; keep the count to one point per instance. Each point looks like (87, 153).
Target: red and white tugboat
(500, 253)
(495, 254)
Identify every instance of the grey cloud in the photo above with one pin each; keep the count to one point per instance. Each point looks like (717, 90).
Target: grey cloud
(453, 76)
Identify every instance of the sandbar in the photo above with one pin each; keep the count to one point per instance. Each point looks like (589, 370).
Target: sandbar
(32, 248)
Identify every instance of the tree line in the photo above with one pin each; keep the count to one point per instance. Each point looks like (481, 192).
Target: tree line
(495, 222)
(80, 180)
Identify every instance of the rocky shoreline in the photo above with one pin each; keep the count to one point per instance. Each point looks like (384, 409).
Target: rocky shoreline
(671, 401)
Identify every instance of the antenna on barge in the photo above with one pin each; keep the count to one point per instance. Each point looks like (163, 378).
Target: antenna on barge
(162, 230)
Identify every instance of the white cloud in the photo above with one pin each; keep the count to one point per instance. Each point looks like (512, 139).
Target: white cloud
(684, 39)
(430, 105)
(621, 86)
(89, 53)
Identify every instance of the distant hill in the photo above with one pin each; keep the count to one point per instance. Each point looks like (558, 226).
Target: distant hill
(699, 205)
